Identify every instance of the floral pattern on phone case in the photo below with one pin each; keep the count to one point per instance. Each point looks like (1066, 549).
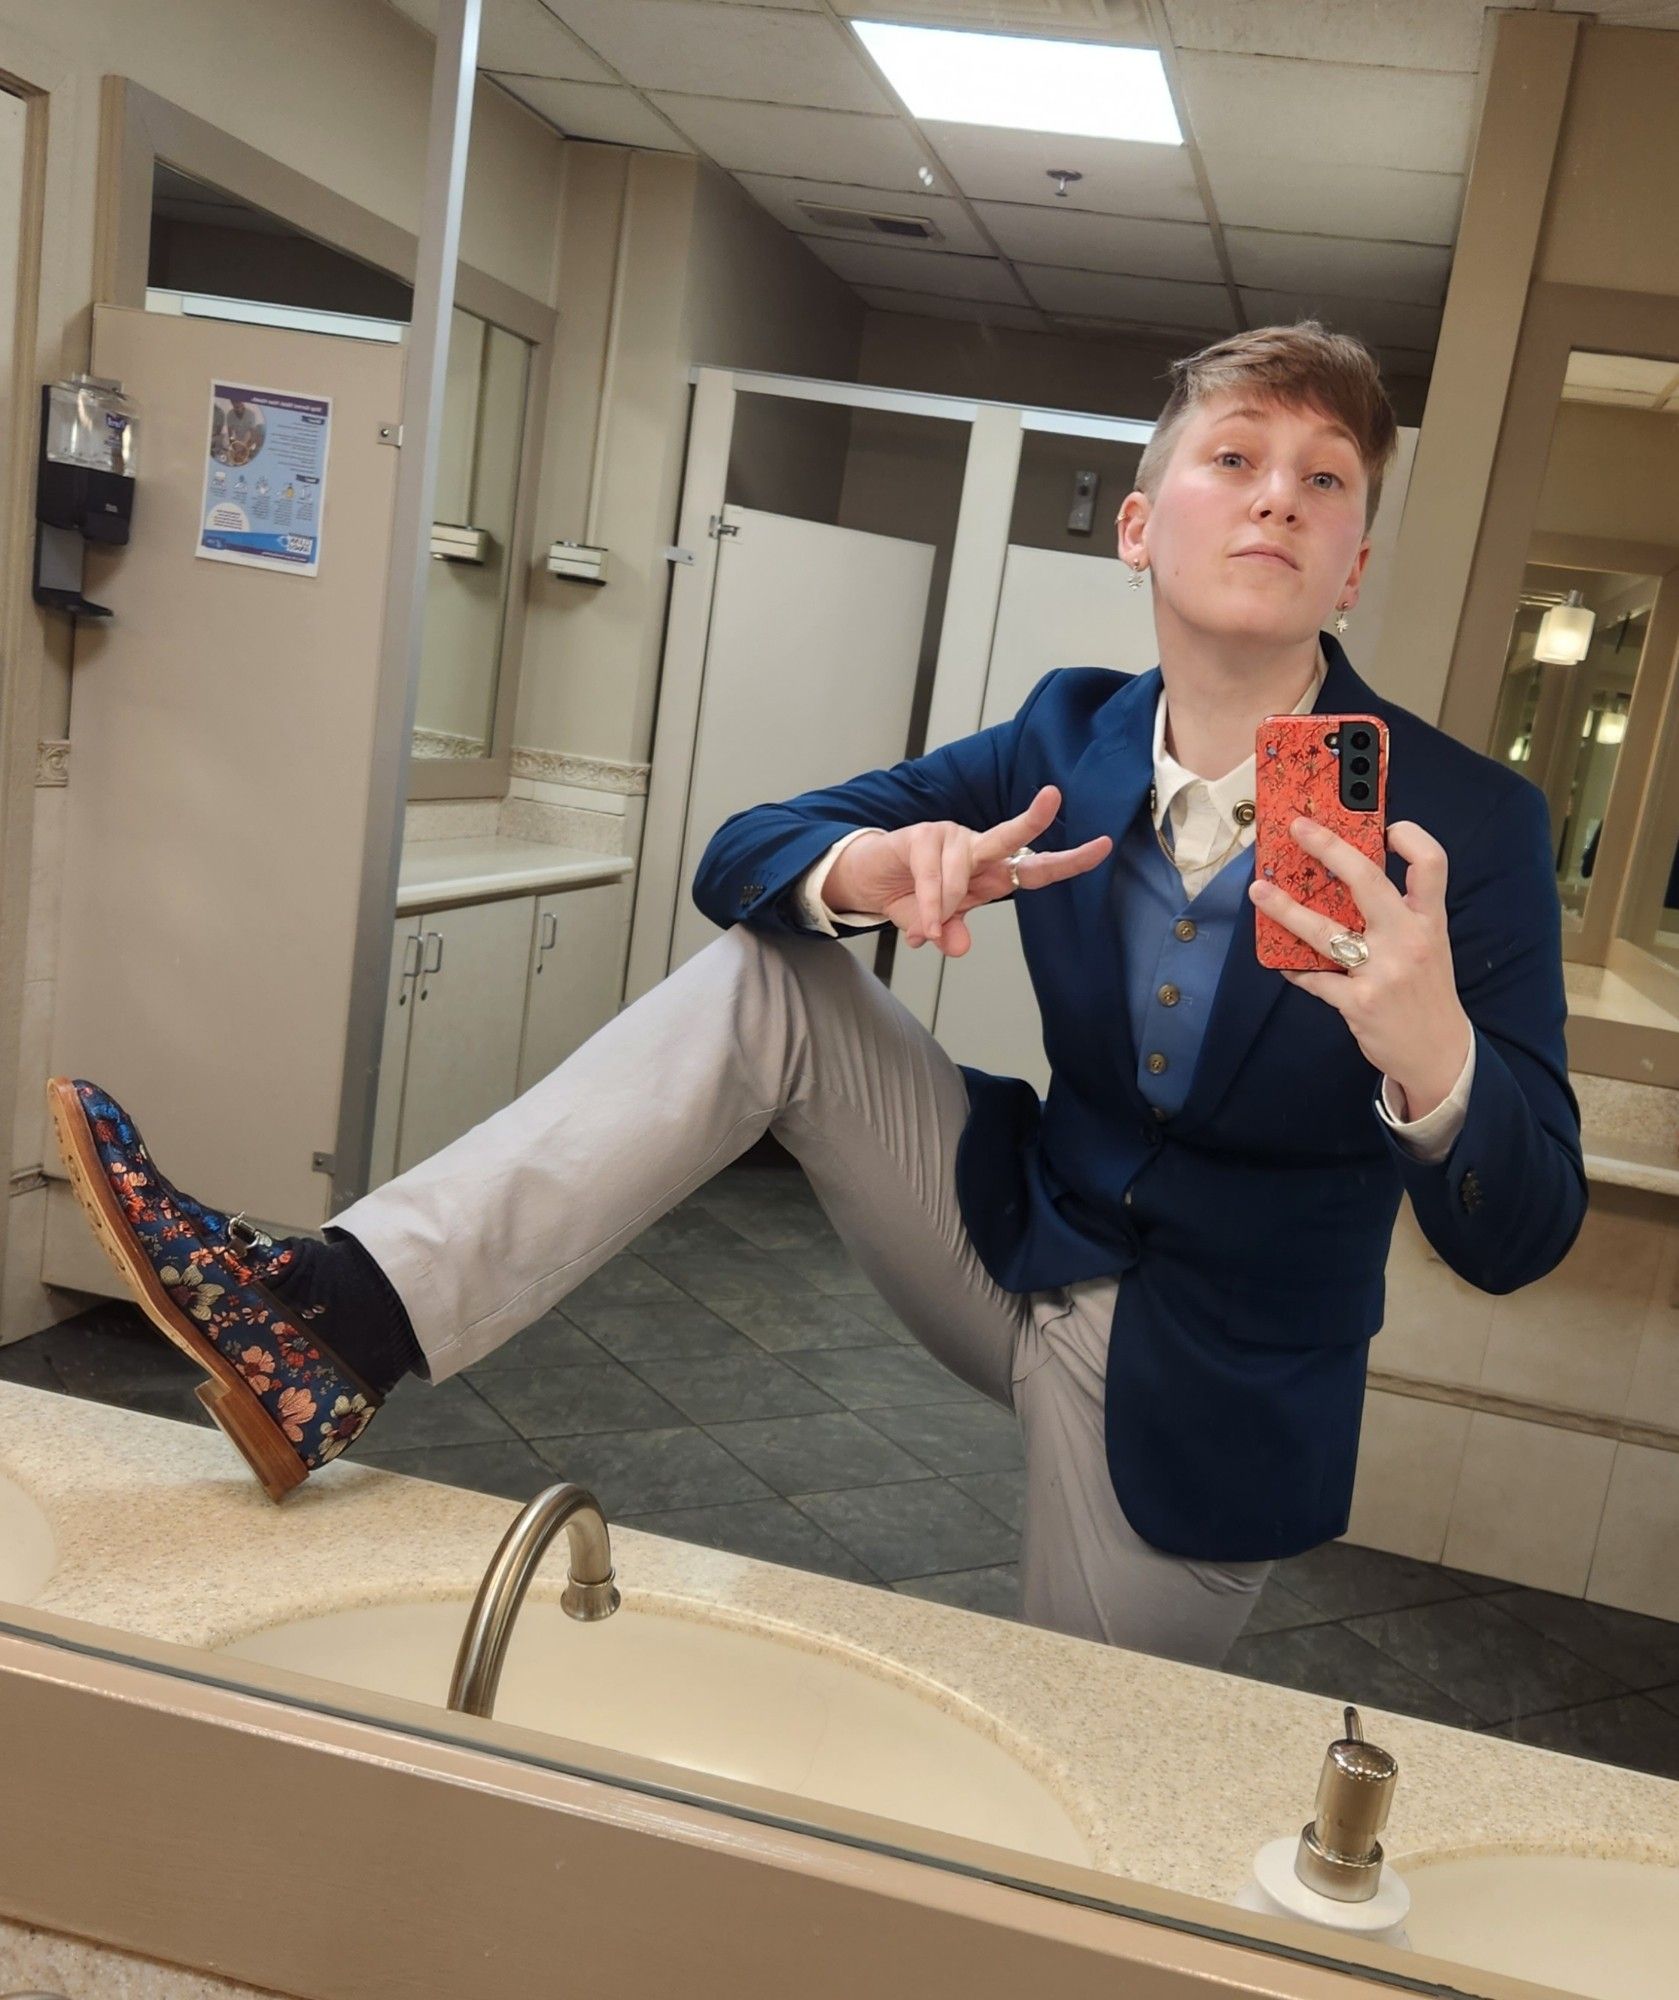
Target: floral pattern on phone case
(1297, 772)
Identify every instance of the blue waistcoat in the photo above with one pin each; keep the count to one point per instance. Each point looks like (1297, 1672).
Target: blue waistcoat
(1174, 951)
(1252, 1219)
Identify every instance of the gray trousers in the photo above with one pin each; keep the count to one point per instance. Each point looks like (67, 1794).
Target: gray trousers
(790, 1034)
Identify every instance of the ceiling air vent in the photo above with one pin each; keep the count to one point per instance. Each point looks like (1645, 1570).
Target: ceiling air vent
(867, 222)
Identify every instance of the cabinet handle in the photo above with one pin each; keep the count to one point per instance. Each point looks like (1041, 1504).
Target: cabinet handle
(428, 964)
(412, 951)
(551, 929)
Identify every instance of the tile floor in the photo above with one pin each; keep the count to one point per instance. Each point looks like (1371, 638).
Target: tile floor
(733, 1379)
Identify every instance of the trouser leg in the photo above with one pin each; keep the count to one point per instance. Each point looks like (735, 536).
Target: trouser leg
(760, 1031)
(1084, 1568)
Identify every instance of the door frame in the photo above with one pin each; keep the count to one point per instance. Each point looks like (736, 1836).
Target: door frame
(996, 433)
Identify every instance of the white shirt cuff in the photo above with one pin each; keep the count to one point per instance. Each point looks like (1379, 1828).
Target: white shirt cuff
(807, 889)
(1432, 1136)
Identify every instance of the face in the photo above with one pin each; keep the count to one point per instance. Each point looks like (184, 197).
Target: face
(1241, 475)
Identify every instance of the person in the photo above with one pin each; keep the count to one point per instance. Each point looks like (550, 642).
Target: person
(1171, 1267)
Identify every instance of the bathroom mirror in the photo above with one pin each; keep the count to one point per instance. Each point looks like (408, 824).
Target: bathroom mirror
(470, 602)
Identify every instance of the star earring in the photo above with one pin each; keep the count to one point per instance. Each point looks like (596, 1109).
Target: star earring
(1137, 576)
(1340, 617)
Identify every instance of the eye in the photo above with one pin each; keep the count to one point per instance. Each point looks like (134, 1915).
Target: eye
(1339, 481)
(1229, 452)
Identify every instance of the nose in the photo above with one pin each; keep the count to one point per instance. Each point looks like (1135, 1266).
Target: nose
(1272, 503)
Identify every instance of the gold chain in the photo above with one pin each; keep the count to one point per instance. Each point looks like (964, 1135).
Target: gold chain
(1244, 819)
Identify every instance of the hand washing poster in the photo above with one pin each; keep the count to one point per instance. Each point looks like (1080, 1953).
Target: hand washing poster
(264, 478)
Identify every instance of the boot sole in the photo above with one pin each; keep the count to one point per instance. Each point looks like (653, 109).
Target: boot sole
(228, 1397)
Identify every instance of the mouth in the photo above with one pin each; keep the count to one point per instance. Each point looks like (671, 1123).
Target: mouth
(1265, 556)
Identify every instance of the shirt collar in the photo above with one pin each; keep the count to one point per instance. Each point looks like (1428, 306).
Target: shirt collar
(1171, 777)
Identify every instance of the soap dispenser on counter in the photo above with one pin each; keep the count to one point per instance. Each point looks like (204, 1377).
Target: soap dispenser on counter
(1334, 1873)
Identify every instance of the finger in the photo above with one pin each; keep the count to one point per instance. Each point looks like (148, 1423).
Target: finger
(1367, 880)
(1312, 925)
(1021, 831)
(957, 870)
(1330, 987)
(957, 938)
(1040, 869)
(926, 851)
(1426, 864)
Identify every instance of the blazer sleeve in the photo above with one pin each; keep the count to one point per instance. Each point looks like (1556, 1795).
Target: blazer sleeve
(1506, 1202)
(752, 861)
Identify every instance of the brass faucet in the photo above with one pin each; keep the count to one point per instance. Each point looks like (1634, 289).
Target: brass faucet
(590, 1591)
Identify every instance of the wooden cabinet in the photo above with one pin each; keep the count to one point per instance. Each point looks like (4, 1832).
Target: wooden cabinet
(484, 999)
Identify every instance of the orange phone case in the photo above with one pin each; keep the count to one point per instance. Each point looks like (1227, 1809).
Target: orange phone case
(1297, 772)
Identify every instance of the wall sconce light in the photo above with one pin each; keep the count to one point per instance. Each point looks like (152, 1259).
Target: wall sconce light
(1612, 726)
(580, 561)
(1565, 632)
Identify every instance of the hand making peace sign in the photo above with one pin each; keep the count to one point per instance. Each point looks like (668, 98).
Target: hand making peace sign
(926, 877)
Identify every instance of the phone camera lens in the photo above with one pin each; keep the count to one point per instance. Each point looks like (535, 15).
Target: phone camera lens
(1361, 739)
(1361, 764)
(1359, 789)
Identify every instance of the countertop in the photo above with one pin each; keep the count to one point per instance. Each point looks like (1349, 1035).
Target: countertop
(478, 866)
(1177, 1774)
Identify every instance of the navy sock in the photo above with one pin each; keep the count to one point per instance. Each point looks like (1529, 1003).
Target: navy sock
(354, 1307)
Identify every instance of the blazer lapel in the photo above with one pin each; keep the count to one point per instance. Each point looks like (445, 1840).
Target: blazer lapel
(1104, 792)
(1247, 990)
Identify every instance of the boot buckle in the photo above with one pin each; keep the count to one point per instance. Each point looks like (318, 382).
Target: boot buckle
(246, 1234)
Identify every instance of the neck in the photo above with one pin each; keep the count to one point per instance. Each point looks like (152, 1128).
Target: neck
(1219, 689)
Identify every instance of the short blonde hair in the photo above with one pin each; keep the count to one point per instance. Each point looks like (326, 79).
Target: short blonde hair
(1300, 366)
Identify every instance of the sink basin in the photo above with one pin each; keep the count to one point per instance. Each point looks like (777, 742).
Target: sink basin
(709, 1697)
(1598, 1927)
(27, 1554)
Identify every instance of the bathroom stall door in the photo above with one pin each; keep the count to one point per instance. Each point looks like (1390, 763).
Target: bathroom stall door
(221, 743)
(810, 670)
(1054, 610)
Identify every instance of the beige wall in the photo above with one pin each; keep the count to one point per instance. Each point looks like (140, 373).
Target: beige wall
(706, 276)
(1612, 472)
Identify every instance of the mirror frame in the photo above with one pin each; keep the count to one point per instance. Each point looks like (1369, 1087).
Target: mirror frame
(1559, 319)
(139, 128)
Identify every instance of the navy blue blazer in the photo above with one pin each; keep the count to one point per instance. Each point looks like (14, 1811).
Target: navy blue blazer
(1252, 1227)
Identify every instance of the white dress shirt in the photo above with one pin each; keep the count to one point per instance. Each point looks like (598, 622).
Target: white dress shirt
(1204, 825)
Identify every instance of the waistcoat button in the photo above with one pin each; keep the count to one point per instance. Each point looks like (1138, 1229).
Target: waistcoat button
(1156, 1063)
(1168, 995)
(1184, 929)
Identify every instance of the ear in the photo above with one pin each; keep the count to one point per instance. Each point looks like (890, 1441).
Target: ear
(1130, 525)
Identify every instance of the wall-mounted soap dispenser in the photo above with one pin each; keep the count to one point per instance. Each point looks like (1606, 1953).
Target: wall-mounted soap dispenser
(1334, 1872)
(84, 487)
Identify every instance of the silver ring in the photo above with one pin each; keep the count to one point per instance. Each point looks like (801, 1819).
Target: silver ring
(1014, 860)
(1347, 948)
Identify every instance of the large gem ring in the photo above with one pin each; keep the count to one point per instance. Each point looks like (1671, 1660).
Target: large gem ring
(1014, 861)
(1347, 948)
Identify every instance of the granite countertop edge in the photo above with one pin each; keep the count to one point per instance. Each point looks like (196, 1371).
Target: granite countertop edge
(160, 1530)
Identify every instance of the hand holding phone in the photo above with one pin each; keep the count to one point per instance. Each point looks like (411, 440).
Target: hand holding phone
(1331, 768)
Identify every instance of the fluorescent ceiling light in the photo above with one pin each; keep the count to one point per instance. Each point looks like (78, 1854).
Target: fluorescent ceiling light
(1091, 89)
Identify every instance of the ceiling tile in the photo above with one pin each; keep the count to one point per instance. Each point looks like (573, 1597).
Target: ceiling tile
(1336, 112)
(711, 50)
(1404, 361)
(1379, 322)
(949, 275)
(982, 311)
(780, 194)
(519, 35)
(1121, 176)
(1423, 34)
(1414, 273)
(1281, 192)
(595, 111)
(1639, 13)
(1156, 301)
(1102, 242)
(777, 139)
